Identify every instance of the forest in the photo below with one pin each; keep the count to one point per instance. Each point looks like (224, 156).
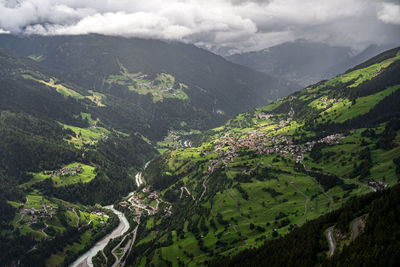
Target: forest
(377, 245)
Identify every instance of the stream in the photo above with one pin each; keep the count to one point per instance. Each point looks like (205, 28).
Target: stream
(86, 258)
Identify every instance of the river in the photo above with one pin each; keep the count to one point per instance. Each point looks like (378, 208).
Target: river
(123, 227)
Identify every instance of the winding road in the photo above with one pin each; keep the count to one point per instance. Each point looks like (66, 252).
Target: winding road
(187, 191)
(138, 178)
(306, 197)
(139, 175)
(205, 187)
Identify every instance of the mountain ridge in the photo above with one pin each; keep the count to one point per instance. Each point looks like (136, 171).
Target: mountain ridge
(304, 62)
(213, 83)
(270, 170)
(261, 175)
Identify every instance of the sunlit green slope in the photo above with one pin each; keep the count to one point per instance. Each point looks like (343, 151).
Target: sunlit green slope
(270, 170)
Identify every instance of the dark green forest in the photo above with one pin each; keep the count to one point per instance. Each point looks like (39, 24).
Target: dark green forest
(377, 245)
(76, 128)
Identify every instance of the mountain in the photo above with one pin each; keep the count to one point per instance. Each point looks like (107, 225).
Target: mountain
(80, 115)
(367, 237)
(152, 86)
(304, 62)
(46, 124)
(267, 172)
(70, 141)
(58, 158)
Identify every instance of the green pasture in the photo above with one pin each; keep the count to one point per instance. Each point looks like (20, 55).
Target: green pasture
(86, 176)
(86, 136)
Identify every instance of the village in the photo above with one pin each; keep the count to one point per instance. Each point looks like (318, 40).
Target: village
(263, 143)
(35, 215)
(377, 185)
(100, 214)
(175, 138)
(74, 170)
(139, 202)
(149, 85)
(328, 102)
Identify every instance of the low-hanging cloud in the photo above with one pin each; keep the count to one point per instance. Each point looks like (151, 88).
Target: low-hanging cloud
(245, 25)
(390, 13)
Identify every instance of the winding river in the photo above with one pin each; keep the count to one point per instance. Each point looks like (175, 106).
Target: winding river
(123, 227)
(86, 258)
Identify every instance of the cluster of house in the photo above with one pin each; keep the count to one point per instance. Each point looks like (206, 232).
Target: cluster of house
(327, 101)
(283, 123)
(124, 204)
(68, 171)
(151, 86)
(375, 73)
(262, 115)
(332, 139)
(93, 140)
(166, 89)
(153, 195)
(377, 185)
(136, 205)
(167, 211)
(45, 213)
(174, 137)
(262, 143)
(100, 213)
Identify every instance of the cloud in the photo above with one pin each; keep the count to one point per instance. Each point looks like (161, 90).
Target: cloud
(244, 25)
(3, 31)
(389, 13)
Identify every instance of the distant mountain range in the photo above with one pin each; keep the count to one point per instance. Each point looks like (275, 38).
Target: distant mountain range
(152, 82)
(304, 62)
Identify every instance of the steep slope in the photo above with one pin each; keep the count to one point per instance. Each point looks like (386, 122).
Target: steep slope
(55, 147)
(45, 124)
(270, 170)
(375, 245)
(304, 62)
(168, 83)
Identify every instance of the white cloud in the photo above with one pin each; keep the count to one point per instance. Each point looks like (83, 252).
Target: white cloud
(389, 13)
(247, 25)
(3, 31)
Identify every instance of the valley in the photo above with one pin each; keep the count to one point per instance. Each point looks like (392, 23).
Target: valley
(216, 161)
(266, 173)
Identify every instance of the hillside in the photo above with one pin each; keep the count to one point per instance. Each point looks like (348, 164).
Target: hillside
(63, 140)
(56, 160)
(304, 62)
(273, 169)
(370, 242)
(46, 123)
(149, 85)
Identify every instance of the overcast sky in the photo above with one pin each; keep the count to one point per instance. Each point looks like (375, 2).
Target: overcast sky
(245, 25)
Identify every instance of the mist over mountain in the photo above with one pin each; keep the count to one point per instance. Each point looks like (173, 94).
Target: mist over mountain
(199, 133)
(305, 62)
(216, 88)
